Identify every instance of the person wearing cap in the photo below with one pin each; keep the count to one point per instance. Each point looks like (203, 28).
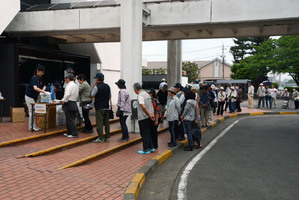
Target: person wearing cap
(221, 101)
(162, 97)
(69, 102)
(102, 94)
(295, 97)
(285, 95)
(250, 95)
(173, 111)
(232, 100)
(85, 99)
(157, 113)
(162, 83)
(146, 115)
(214, 100)
(124, 108)
(35, 87)
(261, 93)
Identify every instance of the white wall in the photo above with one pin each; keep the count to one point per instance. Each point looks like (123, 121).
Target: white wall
(110, 57)
(8, 10)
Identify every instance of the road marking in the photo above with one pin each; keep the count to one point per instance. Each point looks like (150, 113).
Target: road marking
(184, 177)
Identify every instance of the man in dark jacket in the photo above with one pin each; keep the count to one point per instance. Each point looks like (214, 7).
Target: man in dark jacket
(102, 94)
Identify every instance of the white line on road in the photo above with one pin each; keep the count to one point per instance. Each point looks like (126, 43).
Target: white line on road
(183, 182)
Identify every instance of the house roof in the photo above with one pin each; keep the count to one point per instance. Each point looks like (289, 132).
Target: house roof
(163, 64)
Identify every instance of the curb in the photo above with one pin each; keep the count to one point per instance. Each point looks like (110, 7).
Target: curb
(134, 186)
(41, 136)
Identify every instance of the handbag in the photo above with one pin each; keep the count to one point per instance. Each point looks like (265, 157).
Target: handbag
(196, 134)
(87, 106)
(117, 112)
(111, 115)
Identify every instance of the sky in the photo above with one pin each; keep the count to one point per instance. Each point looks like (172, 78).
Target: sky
(193, 50)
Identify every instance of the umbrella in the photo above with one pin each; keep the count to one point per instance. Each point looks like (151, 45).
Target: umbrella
(266, 83)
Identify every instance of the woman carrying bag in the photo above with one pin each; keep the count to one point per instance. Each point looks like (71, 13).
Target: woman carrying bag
(124, 108)
(189, 117)
(157, 113)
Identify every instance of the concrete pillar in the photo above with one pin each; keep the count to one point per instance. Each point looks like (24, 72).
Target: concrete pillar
(174, 62)
(131, 48)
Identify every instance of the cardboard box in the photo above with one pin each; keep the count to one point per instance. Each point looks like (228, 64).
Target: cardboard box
(51, 118)
(17, 114)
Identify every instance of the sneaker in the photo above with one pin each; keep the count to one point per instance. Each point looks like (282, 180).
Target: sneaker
(152, 150)
(98, 141)
(72, 136)
(123, 139)
(197, 147)
(144, 152)
(107, 140)
(65, 134)
(34, 129)
(188, 148)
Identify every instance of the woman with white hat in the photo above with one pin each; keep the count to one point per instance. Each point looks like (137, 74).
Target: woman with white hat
(232, 99)
(221, 101)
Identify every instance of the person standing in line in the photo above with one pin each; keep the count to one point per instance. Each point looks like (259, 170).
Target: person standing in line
(157, 113)
(239, 99)
(250, 95)
(162, 97)
(273, 94)
(189, 117)
(214, 101)
(180, 94)
(162, 83)
(180, 134)
(205, 107)
(36, 86)
(295, 97)
(85, 99)
(268, 97)
(232, 99)
(124, 108)
(261, 93)
(69, 102)
(173, 111)
(145, 112)
(221, 101)
(227, 92)
(102, 94)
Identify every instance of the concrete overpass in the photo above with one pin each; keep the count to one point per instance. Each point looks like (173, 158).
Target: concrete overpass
(162, 20)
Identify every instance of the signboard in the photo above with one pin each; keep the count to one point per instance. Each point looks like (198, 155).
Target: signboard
(40, 108)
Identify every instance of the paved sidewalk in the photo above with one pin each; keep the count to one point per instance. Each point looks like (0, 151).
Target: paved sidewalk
(39, 177)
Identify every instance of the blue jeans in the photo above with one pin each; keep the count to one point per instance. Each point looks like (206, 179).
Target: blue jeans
(263, 100)
(269, 99)
(173, 128)
(232, 107)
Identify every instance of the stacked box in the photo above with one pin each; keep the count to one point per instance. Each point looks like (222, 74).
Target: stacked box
(51, 118)
(17, 114)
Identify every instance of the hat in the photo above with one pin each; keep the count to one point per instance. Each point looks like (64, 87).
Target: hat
(121, 83)
(184, 89)
(212, 86)
(196, 81)
(232, 88)
(163, 79)
(173, 89)
(261, 84)
(100, 76)
(193, 88)
(178, 85)
(164, 87)
(221, 88)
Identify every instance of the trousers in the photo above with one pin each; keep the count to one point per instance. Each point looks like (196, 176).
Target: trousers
(70, 109)
(102, 119)
(144, 126)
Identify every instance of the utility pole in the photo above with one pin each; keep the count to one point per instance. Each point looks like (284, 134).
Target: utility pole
(223, 61)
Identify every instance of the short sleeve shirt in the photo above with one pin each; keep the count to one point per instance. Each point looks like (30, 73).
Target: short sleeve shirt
(34, 81)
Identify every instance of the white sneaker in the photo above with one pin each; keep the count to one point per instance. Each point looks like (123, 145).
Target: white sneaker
(34, 129)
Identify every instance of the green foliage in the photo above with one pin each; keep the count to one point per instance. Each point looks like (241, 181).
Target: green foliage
(275, 85)
(191, 70)
(159, 71)
(146, 71)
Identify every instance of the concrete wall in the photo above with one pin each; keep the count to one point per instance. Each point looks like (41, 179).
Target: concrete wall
(110, 57)
(8, 10)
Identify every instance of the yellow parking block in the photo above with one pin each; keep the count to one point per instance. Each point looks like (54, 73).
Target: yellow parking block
(288, 113)
(163, 156)
(256, 113)
(233, 115)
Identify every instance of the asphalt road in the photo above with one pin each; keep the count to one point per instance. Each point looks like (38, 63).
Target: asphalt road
(256, 159)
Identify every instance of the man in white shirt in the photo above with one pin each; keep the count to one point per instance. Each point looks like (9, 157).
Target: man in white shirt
(250, 95)
(261, 92)
(70, 108)
(228, 92)
(273, 93)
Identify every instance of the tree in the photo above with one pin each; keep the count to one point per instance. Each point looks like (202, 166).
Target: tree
(159, 71)
(191, 70)
(146, 71)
